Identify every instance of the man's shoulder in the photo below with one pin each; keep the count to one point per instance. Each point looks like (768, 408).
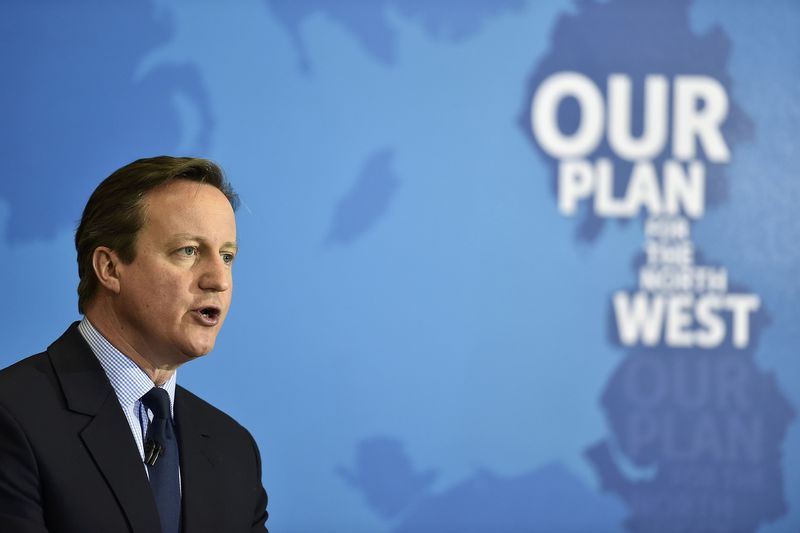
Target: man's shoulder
(29, 375)
(19, 377)
(30, 394)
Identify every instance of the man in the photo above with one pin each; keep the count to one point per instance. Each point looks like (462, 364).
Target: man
(95, 436)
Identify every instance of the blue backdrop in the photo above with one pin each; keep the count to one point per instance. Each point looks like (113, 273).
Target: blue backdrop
(505, 265)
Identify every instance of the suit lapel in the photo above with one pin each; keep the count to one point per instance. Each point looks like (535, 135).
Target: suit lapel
(199, 462)
(107, 436)
(108, 439)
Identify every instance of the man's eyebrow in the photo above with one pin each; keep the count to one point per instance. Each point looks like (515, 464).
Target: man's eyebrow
(189, 237)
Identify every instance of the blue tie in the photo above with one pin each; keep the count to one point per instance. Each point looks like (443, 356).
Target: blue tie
(161, 457)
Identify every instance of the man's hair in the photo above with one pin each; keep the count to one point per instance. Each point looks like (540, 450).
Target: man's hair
(114, 213)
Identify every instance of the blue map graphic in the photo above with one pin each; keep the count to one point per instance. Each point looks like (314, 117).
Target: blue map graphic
(369, 22)
(543, 500)
(60, 148)
(706, 428)
(636, 38)
(367, 201)
(696, 434)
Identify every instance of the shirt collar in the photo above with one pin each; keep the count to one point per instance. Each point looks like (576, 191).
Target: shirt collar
(129, 381)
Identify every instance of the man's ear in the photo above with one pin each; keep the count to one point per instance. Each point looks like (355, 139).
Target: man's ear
(106, 267)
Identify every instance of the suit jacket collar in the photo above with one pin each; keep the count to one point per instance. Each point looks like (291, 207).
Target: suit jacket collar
(85, 386)
(107, 436)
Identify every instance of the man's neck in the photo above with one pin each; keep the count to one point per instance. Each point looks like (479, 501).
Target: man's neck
(107, 325)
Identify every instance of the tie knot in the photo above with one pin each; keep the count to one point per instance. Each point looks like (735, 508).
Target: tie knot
(157, 400)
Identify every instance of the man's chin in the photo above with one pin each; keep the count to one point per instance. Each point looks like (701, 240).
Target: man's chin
(196, 351)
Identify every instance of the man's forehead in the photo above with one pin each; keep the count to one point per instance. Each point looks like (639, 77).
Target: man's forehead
(183, 190)
(185, 209)
(184, 198)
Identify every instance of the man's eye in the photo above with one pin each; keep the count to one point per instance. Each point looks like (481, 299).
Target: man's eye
(189, 250)
(228, 258)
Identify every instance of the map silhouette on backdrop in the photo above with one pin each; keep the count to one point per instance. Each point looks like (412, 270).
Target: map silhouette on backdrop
(53, 152)
(366, 201)
(696, 433)
(542, 500)
(369, 22)
(636, 38)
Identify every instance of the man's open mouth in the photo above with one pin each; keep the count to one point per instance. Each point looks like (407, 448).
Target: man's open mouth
(208, 316)
(210, 312)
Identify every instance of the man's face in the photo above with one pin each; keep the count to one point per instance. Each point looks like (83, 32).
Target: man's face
(175, 294)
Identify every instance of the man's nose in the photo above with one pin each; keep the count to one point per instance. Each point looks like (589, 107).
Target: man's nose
(216, 275)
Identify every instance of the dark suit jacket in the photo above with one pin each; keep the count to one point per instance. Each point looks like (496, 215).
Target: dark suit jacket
(68, 461)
